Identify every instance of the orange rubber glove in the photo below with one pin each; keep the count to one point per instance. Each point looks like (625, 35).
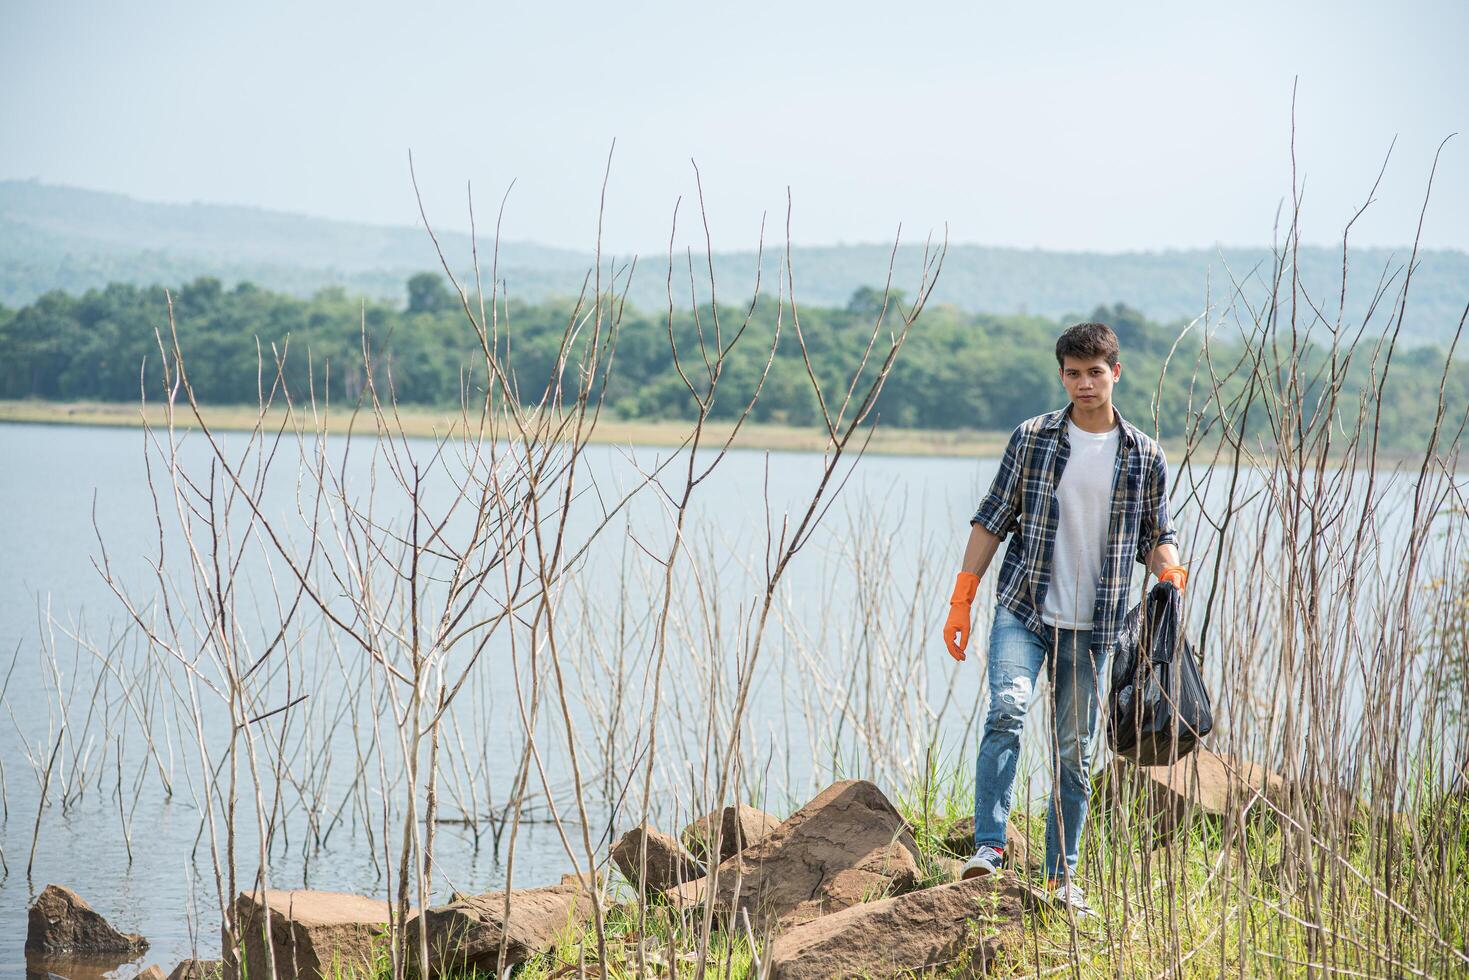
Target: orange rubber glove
(959, 623)
(1176, 574)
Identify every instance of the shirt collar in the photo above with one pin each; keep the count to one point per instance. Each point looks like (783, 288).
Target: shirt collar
(1056, 421)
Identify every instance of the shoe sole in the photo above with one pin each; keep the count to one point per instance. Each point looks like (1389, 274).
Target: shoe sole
(977, 871)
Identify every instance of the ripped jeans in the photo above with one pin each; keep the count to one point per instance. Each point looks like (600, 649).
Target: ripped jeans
(1015, 659)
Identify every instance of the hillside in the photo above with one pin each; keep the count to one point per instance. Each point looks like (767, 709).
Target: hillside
(65, 238)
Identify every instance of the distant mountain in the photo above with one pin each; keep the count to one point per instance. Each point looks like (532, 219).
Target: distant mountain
(64, 238)
(101, 222)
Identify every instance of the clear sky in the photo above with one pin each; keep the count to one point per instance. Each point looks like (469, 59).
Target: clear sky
(1058, 125)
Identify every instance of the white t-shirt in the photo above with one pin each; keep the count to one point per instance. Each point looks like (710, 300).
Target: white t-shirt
(1084, 503)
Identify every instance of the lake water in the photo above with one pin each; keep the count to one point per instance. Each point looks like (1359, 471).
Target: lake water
(867, 595)
(58, 479)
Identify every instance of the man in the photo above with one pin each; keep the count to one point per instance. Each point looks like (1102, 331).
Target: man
(1081, 493)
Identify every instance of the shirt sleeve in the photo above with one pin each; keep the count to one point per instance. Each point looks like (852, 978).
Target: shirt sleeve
(1157, 524)
(999, 511)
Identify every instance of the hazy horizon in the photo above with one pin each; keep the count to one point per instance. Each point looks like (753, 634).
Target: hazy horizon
(1071, 129)
(586, 249)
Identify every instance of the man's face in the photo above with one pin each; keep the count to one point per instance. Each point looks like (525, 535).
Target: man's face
(1089, 383)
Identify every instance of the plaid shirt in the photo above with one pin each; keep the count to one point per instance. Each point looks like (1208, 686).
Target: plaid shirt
(1023, 500)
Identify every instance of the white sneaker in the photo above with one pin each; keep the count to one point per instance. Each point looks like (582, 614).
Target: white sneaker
(1069, 896)
(986, 861)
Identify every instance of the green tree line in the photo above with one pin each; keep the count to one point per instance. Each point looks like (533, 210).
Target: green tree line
(957, 370)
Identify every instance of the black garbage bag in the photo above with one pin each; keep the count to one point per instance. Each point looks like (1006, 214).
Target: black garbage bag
(1158, 709)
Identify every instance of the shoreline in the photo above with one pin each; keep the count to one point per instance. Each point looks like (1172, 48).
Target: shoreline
(426, 422)
(419, 421)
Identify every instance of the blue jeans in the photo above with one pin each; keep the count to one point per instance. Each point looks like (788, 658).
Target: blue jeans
(1015, 659)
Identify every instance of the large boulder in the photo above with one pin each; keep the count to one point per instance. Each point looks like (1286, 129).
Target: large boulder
(466, 934)
(846, 846)
(1202, 784)
(60, 921)
(667, 863)
(314, 934)
(959, 842)
(154, 972)
(944, 928)
(736, 826)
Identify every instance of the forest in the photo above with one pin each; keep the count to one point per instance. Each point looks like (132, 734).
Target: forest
(957, 370)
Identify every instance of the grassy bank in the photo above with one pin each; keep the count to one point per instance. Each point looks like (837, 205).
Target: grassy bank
(1217, 901)
(419, 421)
(429, 422)
(1215, 897)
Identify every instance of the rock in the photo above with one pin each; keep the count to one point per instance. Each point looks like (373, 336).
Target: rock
(315, 934)
(152, 973)
(1203, 783)
(60, 921)
(466, 934)
(951, 867)
(668, 864)
(940, 927)
(959, 841)
(198, 970)
(846, 846)
(1215, 783)
(738, 826)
